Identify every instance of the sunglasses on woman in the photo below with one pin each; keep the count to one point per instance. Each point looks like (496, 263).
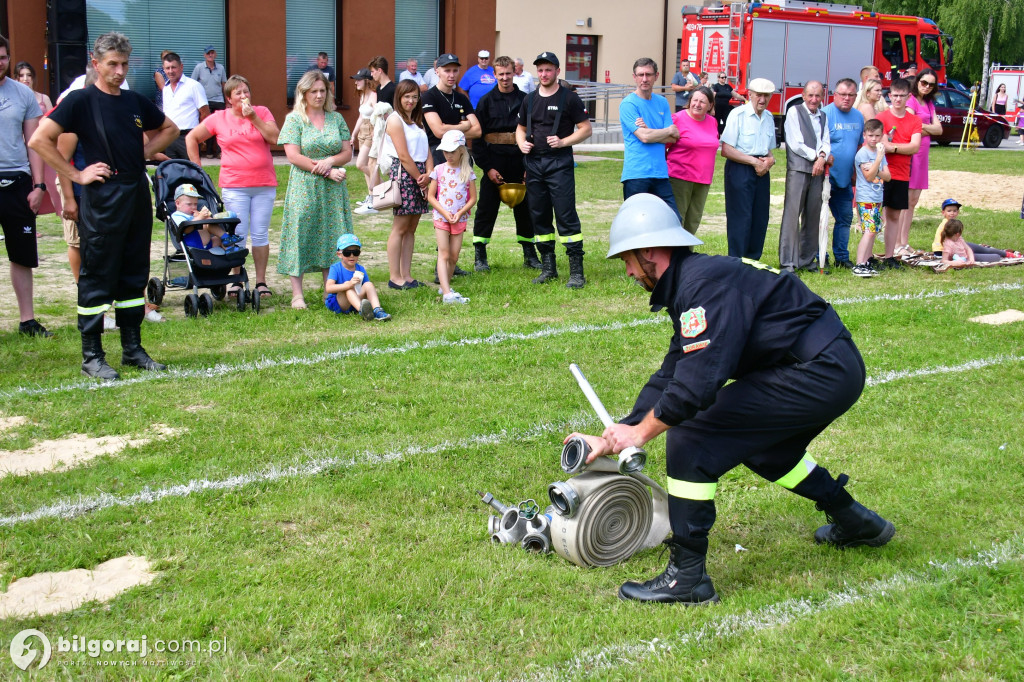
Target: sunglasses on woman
(350, 252)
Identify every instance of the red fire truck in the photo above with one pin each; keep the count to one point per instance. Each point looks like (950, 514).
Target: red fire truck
(795, 41)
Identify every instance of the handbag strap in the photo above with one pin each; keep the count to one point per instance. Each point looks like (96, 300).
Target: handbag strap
(98, 117)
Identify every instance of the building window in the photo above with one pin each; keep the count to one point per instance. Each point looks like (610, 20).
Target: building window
(417, 33)
(311, 28)
(154, 26)
(581, 58)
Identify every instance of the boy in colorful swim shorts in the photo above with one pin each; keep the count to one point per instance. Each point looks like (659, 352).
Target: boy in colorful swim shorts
(872, 171)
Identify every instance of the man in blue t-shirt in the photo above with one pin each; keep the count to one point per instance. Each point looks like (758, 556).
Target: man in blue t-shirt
(845, 129)
(646, 128)
(479, 80)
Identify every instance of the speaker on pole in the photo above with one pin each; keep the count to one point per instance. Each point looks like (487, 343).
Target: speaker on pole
(67, 35)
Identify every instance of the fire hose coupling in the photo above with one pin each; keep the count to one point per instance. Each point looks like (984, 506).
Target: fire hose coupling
(632, 459)
(564, 498)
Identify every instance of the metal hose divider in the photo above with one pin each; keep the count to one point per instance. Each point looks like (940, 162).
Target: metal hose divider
(538, 535)
(512, 528)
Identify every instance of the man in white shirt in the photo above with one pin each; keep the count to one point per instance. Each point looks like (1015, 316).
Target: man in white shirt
(430, 78)
(411, 73)
(523, 79)
(807, 149)
(185, 103)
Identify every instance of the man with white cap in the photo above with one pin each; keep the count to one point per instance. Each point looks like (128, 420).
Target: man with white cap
(479, 79)
(791, 368)
(747, 143)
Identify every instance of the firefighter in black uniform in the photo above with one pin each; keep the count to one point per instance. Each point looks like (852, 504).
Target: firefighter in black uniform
(551, 121)
(499, 157)
(794, 368)
(116, 216)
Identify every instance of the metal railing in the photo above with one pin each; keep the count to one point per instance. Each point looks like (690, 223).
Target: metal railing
(600, 98)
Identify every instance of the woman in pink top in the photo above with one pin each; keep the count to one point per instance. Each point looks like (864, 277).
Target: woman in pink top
(922, 104)
(691, 159)
(247, 178)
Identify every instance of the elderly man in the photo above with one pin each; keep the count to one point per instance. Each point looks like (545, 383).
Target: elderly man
(807, 150)
(478, 79)
(501, 161)
(551, 121)
(118, 130)
(757, 367)
(845, 130)
(747, 143)
(212, 77)
(523, 79)
(430, 78)
(647, 127)
(411, 73)
(683, 84)
(184, 103)
(21, 189)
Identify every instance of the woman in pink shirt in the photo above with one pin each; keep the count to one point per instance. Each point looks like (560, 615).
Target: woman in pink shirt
(247, 178)
(691, 159)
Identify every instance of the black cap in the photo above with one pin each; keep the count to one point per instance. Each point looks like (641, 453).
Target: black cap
(546, 58)
(362, 75)
(446, 59)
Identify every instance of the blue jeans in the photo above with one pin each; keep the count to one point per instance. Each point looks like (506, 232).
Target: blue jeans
(840, 202)
(659, 187)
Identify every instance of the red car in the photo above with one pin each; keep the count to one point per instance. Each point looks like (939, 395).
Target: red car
(951, 107)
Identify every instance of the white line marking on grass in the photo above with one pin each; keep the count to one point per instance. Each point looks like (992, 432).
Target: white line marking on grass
(886, 377)
(492, 340)
(776, 615)
(340, 354)
(69, 509)
(922, 295)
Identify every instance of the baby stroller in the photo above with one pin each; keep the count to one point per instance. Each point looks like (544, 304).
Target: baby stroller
(206, 270)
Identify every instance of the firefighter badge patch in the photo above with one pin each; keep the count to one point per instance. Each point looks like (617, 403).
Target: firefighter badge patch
(693, 323)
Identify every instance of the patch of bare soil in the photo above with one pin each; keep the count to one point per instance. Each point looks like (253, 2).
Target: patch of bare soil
(1004, 317)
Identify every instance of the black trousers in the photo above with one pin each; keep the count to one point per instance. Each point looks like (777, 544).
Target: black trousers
(764, 420)
(115, 226)
(551, 188)
(177, 149)
(746, 209)
(487, 207)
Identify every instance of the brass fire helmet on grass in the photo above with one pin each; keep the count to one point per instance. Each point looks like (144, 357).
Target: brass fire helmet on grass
(512, 193)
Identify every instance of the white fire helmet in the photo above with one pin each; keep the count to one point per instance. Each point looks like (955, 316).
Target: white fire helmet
(644, 221)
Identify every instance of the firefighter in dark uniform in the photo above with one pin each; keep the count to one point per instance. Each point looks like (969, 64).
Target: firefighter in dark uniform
(551, 120)
(116, 216)
(499, 157)
(794, 368)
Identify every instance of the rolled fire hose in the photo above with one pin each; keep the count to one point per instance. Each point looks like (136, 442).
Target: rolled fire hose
(602, 517)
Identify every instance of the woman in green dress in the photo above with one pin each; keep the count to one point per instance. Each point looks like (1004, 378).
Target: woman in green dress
(316, 210)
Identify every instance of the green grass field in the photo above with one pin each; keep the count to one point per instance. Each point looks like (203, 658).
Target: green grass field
(314, 507)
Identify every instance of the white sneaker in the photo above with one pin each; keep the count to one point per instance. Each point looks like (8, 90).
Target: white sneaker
(109, 324)
(454, 297)
(154, 316)
(366, 209)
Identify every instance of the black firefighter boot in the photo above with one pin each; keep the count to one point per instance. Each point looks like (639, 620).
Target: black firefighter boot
(480, 260)
(548, 269)
(530, 259)
(850, 523)
(94, 361)
(684, 581)
(575, 253)
(132, 352)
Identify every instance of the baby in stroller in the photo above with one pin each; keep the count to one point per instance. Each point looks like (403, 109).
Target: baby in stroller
(203, 236)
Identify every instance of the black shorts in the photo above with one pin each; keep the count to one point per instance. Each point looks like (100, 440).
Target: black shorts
(18, 220)
(895, 194)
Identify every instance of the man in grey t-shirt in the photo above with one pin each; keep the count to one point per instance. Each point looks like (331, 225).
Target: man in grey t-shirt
(212, 77)
(683, 84)
(21, 189)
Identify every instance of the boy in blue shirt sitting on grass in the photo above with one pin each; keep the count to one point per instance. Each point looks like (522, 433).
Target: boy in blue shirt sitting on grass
(349, 287)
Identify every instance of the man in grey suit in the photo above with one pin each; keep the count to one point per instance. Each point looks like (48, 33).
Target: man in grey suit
(807, 150)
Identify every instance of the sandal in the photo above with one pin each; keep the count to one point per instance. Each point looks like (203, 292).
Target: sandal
(265, 291)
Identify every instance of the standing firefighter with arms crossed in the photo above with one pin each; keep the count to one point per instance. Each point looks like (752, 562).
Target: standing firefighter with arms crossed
(794, 368)
(116, 216)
